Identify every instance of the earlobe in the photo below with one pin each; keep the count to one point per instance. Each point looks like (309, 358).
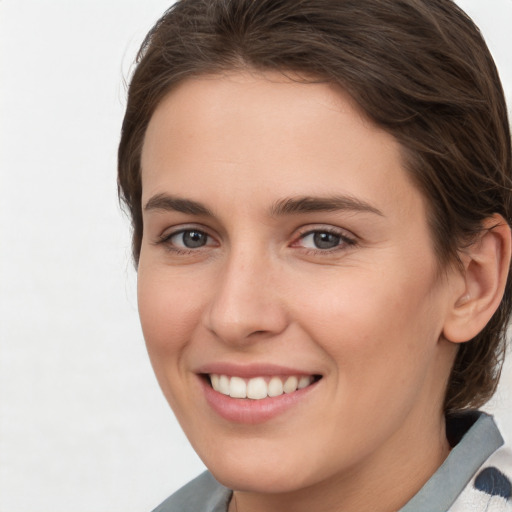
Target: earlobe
(486, 265)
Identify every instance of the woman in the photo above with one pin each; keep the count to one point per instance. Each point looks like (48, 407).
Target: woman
(320, 197)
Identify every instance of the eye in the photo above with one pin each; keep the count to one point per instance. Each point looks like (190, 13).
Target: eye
(324, 240)
(188, 239)
(321, 240)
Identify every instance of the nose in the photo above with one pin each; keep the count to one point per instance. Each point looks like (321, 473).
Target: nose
(245, 305)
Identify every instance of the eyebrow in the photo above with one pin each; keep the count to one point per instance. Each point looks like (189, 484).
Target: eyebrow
(308, 204)
(164, 202)
(287, 206)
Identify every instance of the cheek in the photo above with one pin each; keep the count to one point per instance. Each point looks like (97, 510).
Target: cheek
(169, 312)
(381, 343)
(370, 325)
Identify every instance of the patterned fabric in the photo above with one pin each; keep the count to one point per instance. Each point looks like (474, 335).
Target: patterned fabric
(490, 490)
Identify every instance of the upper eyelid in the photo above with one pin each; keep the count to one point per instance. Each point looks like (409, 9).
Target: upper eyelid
(181, 231)
(180, 228)
(327, 228)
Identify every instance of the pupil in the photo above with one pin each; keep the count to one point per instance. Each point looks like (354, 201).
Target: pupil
(194, 239)
(326, 240)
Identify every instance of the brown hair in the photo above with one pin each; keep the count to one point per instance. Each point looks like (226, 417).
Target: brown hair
(418, 68)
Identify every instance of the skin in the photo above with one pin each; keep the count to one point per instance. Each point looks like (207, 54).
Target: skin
(367, 314)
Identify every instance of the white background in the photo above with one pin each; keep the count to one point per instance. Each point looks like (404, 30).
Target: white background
(83, 425)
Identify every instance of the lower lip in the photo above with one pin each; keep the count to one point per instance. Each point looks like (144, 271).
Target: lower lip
(245, 410)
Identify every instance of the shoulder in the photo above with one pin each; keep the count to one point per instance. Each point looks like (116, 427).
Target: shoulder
(203, 494)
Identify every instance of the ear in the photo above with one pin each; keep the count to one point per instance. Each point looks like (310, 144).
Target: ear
(486, 266)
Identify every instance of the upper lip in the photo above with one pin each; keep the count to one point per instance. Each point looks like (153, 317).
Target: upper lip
(250, 370)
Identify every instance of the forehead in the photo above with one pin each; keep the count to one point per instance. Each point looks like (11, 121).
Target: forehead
(268, 106)
(242, 133)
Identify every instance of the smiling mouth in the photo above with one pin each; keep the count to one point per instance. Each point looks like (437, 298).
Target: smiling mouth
(258, 388)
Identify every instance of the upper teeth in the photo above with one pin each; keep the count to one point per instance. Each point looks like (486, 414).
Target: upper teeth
(258, 387)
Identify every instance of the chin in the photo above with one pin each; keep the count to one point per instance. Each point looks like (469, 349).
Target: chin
(262, 480)
(262, 467)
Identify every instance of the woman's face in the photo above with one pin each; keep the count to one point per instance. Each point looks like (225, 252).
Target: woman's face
(285, 247)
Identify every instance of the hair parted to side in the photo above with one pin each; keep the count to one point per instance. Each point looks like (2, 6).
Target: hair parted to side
(418, 68)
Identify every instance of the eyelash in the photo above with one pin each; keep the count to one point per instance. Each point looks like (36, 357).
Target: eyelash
(344, 240)
(166, 241)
